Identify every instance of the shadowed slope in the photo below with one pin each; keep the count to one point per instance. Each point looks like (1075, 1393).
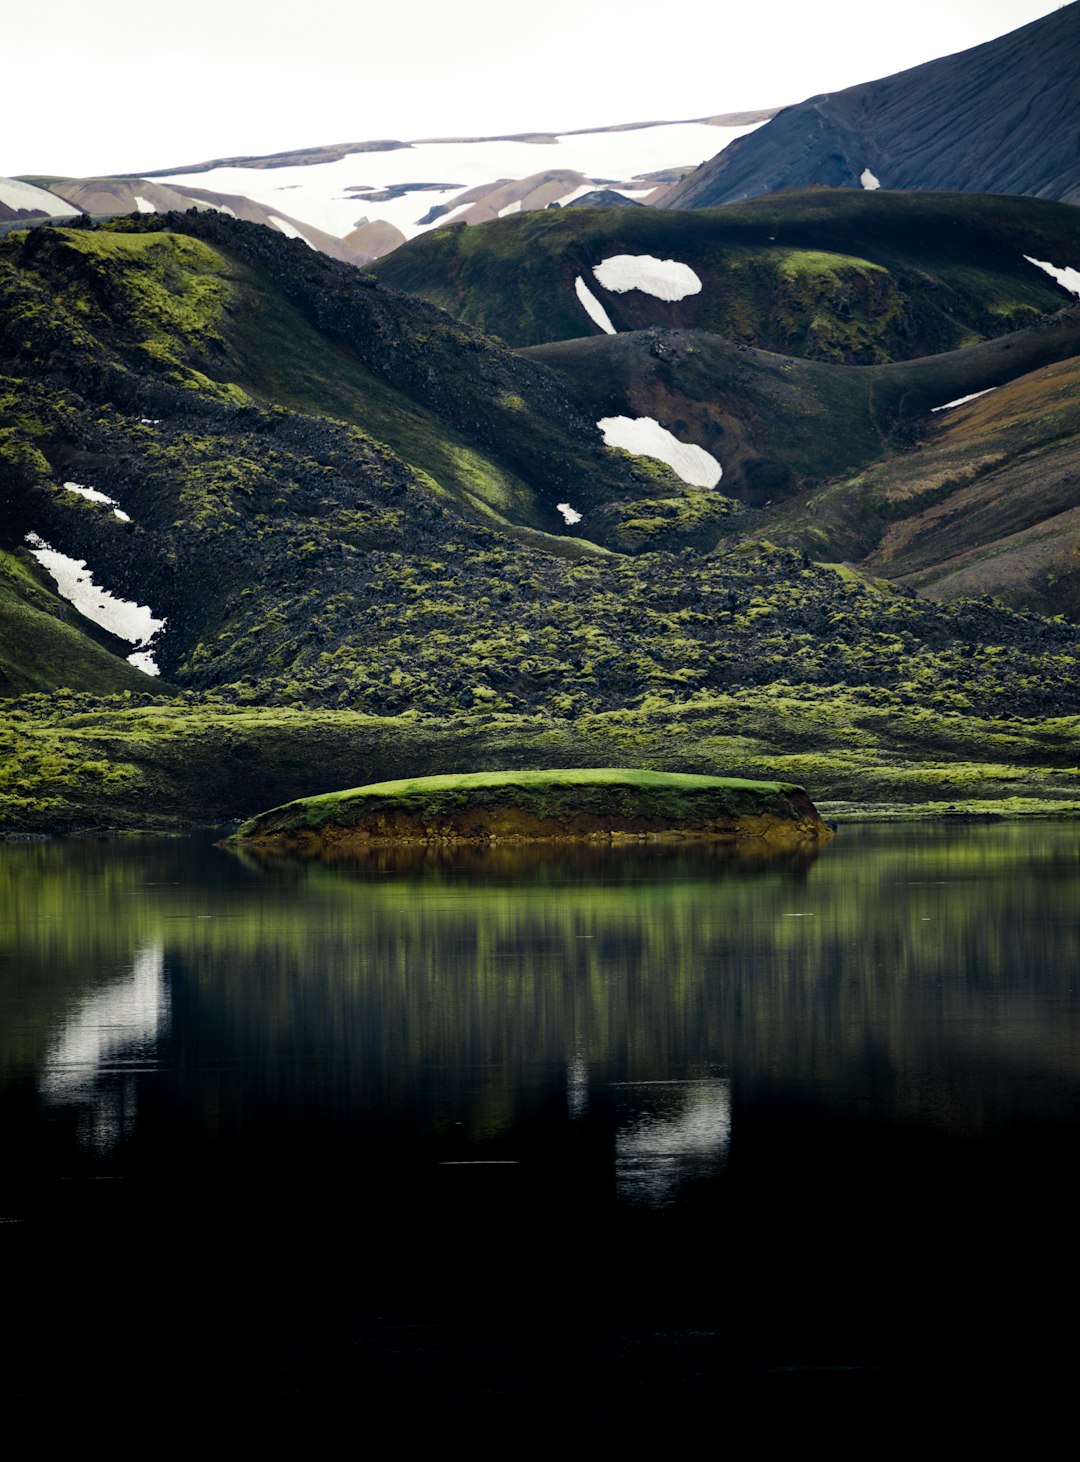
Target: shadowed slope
(999, 118)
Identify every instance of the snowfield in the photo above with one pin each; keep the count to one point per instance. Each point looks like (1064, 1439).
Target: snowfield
(647, 438)
(319, 193)
(593, 308)
(570, 516)
(75, 583)
(26, 195)
(666, 279)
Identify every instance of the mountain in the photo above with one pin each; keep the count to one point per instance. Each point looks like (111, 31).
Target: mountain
(835, 276)
(340, 515)
(999, 118)
(357, 201)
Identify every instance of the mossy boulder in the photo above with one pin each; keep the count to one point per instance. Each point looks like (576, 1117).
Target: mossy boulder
(580, 805)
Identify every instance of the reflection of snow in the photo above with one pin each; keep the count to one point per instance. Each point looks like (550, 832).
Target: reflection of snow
(667, 279)
(867, 179)
(670, 1132)
(1068, 278)
(647, 438)
(569, 515)
(963, 400)
(577, 1087)
(593, 308)
(74, 582)
(105, 1038)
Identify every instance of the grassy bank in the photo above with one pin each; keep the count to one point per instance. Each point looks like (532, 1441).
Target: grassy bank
(80, 763)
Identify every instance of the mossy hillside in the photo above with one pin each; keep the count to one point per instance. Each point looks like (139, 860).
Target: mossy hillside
(44, 642)
(161, 295)
(569, 802)
(335, 594)
(75, 762)
(132, 312)
(305, 565)
(305, 562)
(778, 424)
(829, 274)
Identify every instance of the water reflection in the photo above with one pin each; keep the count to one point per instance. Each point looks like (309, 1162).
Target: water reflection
(106, 1038)
(669, 1133)
(574, 1076)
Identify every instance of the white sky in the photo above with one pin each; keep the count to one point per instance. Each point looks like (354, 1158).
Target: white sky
(126, 85)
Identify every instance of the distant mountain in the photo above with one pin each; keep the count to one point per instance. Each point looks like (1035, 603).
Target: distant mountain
(837, 276)
(1003, 117)
(357, 201)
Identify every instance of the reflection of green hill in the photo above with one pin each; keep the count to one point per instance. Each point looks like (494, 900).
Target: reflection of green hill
(464, 985)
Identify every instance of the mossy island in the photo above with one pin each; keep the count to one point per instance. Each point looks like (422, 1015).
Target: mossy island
(608, 804)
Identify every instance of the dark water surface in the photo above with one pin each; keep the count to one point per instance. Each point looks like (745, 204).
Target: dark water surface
(624, 1135)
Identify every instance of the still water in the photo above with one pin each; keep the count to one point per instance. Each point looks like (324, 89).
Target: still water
(525, 1125)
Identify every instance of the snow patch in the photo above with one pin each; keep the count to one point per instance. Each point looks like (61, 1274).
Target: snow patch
(1068, 278)
(74, 582)
(665, 278)
(510, 208)
(647, 438)
(289, 231)
(867, 179)
(963, 400)
(144, 205)
(569, 515)
(92, 494)
(669, 1132)
(593, 308)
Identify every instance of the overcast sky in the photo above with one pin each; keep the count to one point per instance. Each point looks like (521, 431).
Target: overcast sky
(103, 86)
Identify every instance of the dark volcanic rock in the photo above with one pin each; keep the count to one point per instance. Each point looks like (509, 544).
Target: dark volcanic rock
(604, 198)
(999, 118)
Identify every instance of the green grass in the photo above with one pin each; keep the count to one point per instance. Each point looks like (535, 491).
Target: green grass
(608, 796)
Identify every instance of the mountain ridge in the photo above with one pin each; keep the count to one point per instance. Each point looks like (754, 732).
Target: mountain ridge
(1014, 95)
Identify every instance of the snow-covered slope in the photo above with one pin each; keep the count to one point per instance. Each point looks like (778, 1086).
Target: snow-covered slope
(25, 200)
(408, 187)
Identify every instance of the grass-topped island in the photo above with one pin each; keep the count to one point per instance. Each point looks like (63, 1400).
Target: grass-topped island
(577, 805)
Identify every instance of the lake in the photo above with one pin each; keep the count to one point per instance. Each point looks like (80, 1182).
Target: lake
(629, 1133)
